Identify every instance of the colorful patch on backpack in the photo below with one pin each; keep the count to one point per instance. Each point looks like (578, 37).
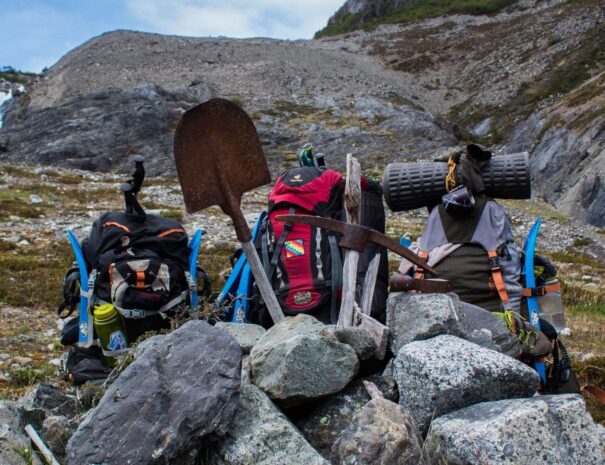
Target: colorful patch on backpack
(295, 248)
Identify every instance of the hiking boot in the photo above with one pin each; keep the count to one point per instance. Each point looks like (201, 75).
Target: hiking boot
(534, 343)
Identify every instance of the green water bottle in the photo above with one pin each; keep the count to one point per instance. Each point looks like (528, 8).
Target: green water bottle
(111, 331)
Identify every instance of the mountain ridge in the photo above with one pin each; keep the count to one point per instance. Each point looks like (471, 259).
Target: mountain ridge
(398, 92)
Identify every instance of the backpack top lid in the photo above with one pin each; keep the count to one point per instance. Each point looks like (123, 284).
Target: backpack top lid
(114, 231)
(309, 188)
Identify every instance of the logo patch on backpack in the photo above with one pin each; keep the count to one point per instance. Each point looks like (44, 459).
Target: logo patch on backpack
(117, 341)
(295, 248)
(302, 298)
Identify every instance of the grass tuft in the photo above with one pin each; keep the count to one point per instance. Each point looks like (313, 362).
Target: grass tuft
(28, 377)
(34, 278)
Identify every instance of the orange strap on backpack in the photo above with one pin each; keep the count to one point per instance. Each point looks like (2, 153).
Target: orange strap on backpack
(117, 225)
(494, 266)
(540, 291)
(424, 255)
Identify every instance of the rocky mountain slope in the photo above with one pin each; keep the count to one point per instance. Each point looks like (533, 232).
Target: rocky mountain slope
(527, 78)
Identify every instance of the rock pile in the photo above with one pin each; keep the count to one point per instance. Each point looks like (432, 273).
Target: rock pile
(443, 399)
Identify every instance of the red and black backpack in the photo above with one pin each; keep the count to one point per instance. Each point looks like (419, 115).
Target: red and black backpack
(304, 263)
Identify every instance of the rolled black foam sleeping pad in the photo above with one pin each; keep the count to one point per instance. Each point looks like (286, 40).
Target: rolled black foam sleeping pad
(408, 186)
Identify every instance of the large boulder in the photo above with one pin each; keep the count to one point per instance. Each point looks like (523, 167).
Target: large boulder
(324, 424)
(261, 435)
(181, 391)
(246, 334)
(46, 400)
(359, 339)
(553, 430)
(416, 317)
(382, 433)
(299, 359)
(487, 330)
(447, 373)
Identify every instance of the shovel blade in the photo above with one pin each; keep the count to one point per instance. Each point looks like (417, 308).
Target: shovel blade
(218, 156)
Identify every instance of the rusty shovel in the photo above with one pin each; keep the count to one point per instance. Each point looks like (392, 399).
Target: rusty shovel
(218, 157)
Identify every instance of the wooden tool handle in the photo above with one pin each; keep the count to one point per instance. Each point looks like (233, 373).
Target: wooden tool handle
(39, 443)
(232, 208)
(369, 284)
(352, 202)
(266, 291)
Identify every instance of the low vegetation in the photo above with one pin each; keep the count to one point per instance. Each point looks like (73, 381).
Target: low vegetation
(417, 11)
(571, 68)
(12, 75)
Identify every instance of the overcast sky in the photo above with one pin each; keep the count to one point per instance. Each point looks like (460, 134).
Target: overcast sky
(36, 33)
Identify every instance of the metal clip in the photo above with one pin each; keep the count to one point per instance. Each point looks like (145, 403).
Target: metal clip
(133, 313)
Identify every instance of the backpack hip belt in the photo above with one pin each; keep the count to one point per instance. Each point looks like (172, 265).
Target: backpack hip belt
(139, 313)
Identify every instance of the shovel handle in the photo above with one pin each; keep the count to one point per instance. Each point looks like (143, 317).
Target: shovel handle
(232, 208)
(266, 291)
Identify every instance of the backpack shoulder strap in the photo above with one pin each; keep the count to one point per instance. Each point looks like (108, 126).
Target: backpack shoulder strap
(71, 292)
(336, 276)
(280, 242)
(496, 270)
(424, 255)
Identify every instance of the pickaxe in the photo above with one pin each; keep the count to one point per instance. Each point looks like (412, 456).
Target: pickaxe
(356, 237)
(404, 283)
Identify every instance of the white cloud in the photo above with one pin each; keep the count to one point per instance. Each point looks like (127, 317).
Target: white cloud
(294, 19)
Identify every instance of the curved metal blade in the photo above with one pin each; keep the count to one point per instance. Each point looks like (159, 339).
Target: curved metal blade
(356, 237)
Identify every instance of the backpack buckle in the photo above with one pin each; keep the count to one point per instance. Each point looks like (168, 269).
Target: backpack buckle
(190, 282)
(133, 313)
(494, 263)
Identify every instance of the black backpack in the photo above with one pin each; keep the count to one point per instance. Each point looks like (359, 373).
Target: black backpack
(304, 263)
(137, 262)
(140, 263)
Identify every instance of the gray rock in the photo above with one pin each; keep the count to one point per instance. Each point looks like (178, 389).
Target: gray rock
(76, 116)
(388, 370)
(245, 334)
(487, 330)
(14, 443)
(483, 128)
(361, 341)
(447, 373)
(246, 370)
(416, 317)
(382, 433)
(45, 400)
(578, 188)
(56, 431)
(142, 114)
(291, 360)
(260, 434)
(554, 430)
(332, 416)
(169, 402)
